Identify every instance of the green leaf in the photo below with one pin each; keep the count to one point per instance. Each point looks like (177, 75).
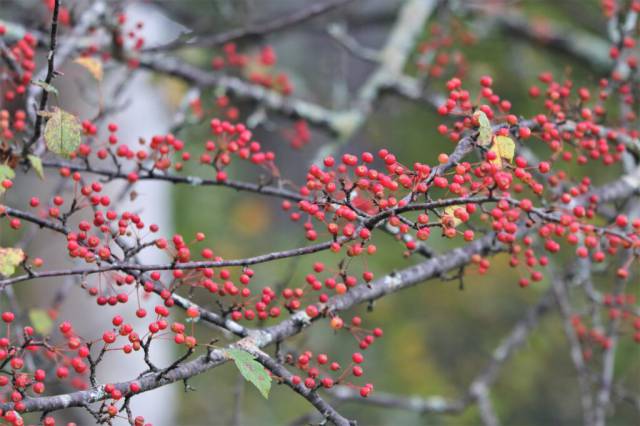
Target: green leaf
(485, 132)
(10, 258)
(36, 163)
(40, 321)
(251, 370)
(62, 132)
(6, 172)
(45, 86)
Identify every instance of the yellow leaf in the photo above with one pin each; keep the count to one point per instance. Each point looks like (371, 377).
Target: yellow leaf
(250, 217)
(484, 132)
(10, 258)
(449, 218)
(505, 148)
(93, 65)
(173, 90)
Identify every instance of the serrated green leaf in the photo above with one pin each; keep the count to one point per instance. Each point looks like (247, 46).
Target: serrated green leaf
(485, 132)
(62, 133)
(6, 172)
(40, 321)
(36, 163)
(45, 86)
(10, 258)
(251, 370)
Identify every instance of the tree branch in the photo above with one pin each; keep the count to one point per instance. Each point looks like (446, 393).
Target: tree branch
(257, 30)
